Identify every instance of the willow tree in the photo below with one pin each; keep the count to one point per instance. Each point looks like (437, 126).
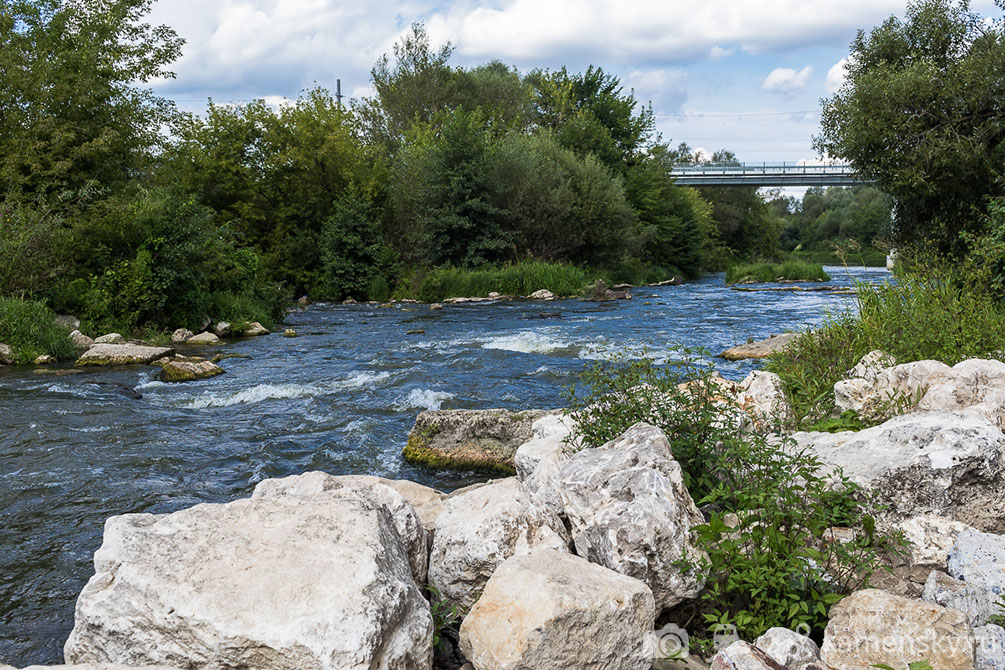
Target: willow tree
(922, 111)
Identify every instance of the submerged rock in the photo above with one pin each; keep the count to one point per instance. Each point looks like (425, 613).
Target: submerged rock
(122, 354)
(470, 439)
(760, 349)
(480, 529)
(289, 582)
(549, 610)
(185, 371)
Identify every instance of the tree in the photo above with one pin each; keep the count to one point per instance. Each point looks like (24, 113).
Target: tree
(72, 114)
(922, 113)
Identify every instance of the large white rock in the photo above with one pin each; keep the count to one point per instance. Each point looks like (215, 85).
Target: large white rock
(479, 530)
(181, 336)
(744, 656)
(976, 565)
(290, 582)
(788, 648)
(763, 397)
(630, 512)
(539, 460)
(362, 487)
(110, 338)
(204, 338)
(873, 626)
(955, 594)
(550, 611)
(923, 463)
(91, 666)
(81, 341)
(930, 537)
(973, 386)
(990, 647)
(122, 354)
(887, 392)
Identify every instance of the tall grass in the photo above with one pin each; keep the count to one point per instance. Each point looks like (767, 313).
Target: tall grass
(940, 313)
(769, 272)
(868, 257)
(29, 329)
(519, 279)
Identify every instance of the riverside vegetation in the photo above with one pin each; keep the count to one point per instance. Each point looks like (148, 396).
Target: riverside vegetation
(137, 218)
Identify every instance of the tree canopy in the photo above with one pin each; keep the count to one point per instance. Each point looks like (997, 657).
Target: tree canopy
(922, 112)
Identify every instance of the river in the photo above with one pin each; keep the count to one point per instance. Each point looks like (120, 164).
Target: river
(339, 398)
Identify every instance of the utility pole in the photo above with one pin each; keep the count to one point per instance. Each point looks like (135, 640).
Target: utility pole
(338, 93)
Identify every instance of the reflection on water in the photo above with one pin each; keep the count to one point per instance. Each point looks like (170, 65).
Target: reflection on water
(340, 398)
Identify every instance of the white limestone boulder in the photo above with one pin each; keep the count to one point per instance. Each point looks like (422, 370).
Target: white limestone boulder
(289, 582)
(181, 336)
(873, 626)
(630, 511)
(110, 338)
(923, 463)
(990, 641)
(788, 648)
(81, 341)
(973, 386)
(550, 610)
(888, 392)
(481, 528)
(205, 338)
(539, 460)
(122, 354)
(762, 396)
(362, 487)
(930, 537)
(742, 655)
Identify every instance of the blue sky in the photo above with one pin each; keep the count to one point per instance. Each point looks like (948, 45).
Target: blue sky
(746, 75)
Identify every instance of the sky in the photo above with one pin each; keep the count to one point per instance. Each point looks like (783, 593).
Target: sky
(746, 75)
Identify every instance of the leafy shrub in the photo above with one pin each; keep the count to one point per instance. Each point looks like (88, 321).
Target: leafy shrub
(769, 272)
(773, 564)
(28, 327)
(517, 279)
(936, 311)
(351, 248)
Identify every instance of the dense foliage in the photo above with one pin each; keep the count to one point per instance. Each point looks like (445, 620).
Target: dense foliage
(835, 215)
(768, 509)
(119, 209)
(921, 112)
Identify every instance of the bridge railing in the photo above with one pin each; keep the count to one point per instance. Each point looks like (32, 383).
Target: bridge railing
(764, 168)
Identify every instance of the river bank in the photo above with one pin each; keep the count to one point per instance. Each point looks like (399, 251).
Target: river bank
(341, 398)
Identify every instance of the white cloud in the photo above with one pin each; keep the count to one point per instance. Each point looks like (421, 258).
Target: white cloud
(665, 89)
(717, 52)
(786, 80)
(836, 75)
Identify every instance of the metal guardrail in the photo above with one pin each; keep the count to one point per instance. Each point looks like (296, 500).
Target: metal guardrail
(766, 174)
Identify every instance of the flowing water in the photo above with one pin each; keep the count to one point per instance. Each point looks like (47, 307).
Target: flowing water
(341, 398)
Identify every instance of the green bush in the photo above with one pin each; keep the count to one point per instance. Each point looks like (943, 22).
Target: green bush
(517, 279)
(938, 311)
(771, 565)
(28, 327)
(769, 272)
(865, 257)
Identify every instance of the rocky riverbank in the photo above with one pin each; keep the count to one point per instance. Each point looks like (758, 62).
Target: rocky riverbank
(572, 562)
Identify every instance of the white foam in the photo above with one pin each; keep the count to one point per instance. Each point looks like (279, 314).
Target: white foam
(262, 392)
(527, 342)
(423, 399)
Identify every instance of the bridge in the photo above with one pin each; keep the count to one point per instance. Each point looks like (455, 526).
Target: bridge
(766, 174)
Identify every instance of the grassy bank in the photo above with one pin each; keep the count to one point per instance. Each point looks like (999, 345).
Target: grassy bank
(867, 257)
(30, 330)
(520, 279)
(769, 272)
(945, 314)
